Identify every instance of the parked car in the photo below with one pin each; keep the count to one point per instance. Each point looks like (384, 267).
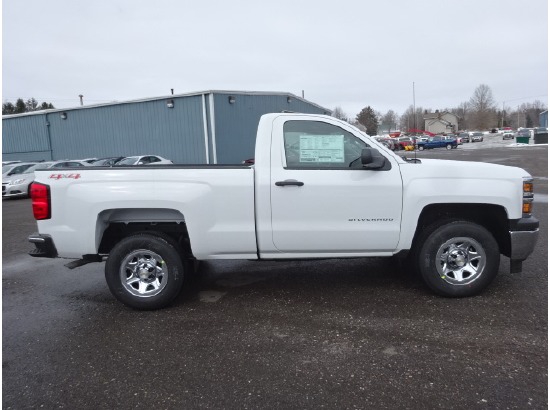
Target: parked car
(16, 168)
(144, 160)
(349, 198)
(388, 142)
(88, 160)
(507, 135)
(458, 138)
(439, 141)
(106, 162)
(9, 162)
(477, 136)
(18, 185)
(465, 136)
(402, 142)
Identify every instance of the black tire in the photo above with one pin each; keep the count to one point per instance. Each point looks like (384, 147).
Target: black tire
(144, 271)
(457, 258)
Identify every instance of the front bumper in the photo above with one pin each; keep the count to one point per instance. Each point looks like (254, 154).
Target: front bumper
(44, 246)
(11, 191)
(524, 234)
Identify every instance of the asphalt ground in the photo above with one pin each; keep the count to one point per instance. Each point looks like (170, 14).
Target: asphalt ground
(335, 334)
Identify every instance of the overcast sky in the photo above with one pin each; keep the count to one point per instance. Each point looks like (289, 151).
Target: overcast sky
(340, 52)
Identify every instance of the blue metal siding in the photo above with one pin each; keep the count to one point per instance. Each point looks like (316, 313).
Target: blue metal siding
(149, 127)
(237, 123)
(132, 129)
(24, 136)
(543, 119)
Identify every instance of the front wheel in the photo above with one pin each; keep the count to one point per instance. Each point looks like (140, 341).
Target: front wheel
(144, 271)
(458, 258)
(421, 148)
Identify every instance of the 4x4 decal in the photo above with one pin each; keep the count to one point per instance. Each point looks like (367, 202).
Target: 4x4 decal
(60, 176)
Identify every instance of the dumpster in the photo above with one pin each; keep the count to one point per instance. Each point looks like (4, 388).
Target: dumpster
(541, 138)
(522, 140)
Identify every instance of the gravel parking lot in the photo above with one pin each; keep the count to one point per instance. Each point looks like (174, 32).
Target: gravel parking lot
(337, 334)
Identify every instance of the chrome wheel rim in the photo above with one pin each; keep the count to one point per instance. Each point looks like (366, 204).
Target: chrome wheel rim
(460, 261)
(143, 273)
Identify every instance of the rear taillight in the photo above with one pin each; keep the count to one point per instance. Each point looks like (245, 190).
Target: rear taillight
(41, 202)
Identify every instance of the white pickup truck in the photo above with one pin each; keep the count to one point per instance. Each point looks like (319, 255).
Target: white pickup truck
(319, 188)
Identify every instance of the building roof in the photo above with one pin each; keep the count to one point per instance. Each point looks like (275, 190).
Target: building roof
(166, 97)
(435, 115)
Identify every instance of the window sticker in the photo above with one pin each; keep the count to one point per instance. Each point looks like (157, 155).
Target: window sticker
(321, 148)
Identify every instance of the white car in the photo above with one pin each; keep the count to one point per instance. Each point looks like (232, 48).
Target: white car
(144, 160)
(16, 168)
(19, 185)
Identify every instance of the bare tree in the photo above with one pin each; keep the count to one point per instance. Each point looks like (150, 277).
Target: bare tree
(411, 120)
(389, 120)
(340, 114)
(483, 108)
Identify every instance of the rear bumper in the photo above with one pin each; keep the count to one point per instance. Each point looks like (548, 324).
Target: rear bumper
(44, 246)
(524, 234)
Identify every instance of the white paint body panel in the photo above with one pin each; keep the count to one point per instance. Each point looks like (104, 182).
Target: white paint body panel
(238, 212)
(217, 205)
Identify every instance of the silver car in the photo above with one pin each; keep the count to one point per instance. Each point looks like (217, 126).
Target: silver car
(19, 185)
(477, 136)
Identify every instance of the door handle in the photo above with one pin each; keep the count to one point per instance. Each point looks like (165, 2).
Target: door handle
(289, 182)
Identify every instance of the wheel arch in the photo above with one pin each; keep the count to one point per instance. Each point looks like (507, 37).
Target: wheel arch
(494, 218)
(112, 225)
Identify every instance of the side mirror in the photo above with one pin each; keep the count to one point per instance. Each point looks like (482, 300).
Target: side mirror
(372, 159)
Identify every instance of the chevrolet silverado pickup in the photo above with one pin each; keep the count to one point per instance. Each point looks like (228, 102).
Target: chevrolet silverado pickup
(319, 188)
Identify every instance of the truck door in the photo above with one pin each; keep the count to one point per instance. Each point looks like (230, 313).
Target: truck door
(322, 200)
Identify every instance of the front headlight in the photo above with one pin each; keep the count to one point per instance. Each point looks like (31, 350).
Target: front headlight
(16, 181)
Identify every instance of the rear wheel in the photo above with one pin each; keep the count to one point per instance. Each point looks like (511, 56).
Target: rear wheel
(458, 258)
(448, 146)
(144, 272)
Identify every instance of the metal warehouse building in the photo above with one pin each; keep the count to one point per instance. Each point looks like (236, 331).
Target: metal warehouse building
(210, 127)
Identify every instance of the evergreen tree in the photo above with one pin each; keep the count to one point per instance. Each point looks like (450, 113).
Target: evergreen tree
(20, 106)
(368, 118)
(8, 108)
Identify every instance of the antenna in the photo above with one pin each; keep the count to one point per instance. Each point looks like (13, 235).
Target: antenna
(414, 122)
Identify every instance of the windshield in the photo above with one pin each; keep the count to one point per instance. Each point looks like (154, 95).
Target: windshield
(6, 168)
(128, 161)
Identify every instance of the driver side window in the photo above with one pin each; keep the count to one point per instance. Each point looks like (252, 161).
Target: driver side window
(315, 144)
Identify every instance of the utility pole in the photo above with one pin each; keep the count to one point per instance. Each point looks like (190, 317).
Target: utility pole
(414, 110)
